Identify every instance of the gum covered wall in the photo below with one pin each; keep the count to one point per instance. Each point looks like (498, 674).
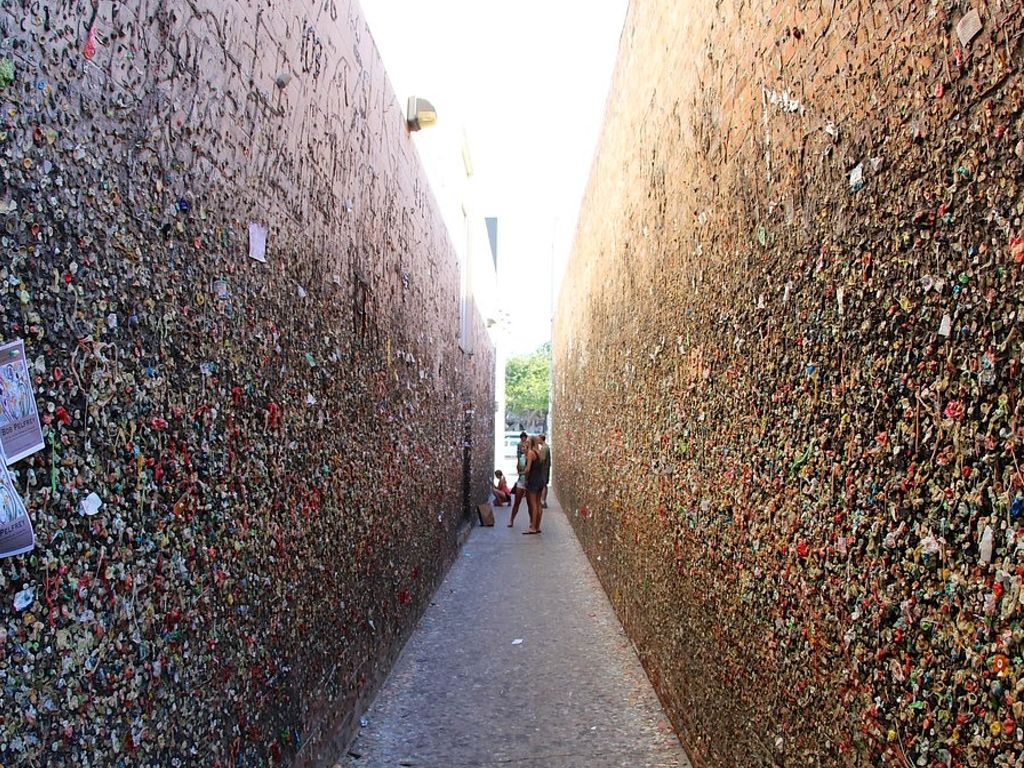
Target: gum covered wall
(251, 428)
(787, 386)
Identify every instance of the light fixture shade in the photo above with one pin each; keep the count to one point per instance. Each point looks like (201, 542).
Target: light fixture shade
(419, 113)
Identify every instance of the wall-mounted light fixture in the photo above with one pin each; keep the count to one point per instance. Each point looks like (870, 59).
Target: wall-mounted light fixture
(420, 113)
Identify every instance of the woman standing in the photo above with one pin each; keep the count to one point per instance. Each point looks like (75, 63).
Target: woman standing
(534, 485)
(520, 487)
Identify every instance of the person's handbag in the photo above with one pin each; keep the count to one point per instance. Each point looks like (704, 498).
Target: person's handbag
(486, 513)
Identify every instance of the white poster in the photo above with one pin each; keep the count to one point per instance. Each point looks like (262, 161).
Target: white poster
(16, 534)
(21, 434)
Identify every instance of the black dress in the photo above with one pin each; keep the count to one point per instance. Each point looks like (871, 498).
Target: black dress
(535, 481)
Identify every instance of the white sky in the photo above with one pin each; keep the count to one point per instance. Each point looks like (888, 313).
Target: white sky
(528, 80)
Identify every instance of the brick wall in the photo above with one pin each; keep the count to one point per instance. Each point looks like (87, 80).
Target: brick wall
(787, 377)
(278, 446)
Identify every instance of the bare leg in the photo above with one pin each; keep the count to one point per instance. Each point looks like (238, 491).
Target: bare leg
(533, 503)
(515, 507)
(544, 497)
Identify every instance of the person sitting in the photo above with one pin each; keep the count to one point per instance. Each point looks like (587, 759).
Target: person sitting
(502, 494)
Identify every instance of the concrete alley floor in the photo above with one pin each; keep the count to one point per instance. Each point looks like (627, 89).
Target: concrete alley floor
(519, 661)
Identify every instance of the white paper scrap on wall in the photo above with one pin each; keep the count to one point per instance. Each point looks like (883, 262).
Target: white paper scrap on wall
(945, 326)
(258, 242)
(90, 505)
(968, 27)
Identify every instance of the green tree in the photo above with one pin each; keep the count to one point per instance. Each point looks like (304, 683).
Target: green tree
(527, 379)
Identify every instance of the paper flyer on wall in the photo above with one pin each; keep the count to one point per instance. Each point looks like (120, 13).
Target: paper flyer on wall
(16, 535)
(257, 242)
(20, 431)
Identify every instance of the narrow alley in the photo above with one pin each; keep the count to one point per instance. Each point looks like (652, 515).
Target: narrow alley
(265, 297)
(519, 661)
